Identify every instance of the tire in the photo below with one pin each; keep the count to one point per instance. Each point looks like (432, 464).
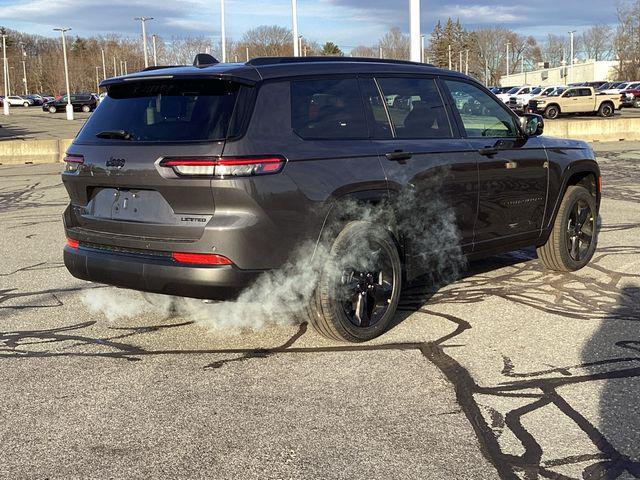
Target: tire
(557, 253)
(53, 109)
(636, 103)
(86, 108)
(356, 298)
(552, 112)
(606, 110)
(25, 104)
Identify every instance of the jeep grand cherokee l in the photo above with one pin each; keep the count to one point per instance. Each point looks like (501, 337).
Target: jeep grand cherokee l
(195, 181)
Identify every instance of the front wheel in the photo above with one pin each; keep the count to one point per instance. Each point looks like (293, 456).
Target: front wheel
(25, 104)
(574, 237)
(52, 110)
(552, 112)
(359, 287)
(636, 103)
(86, 108)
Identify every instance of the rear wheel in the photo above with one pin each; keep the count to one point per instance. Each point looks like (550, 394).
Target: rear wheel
(606, 110)
(52, 110)
(574, 238)
(359, 289)
(86, 108)
(636, 103)
(25, 104)
(552, 112)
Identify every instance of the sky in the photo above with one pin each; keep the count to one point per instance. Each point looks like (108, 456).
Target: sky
(347, 23)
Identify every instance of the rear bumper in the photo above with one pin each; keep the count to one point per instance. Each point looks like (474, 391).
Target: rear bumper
(157, 274)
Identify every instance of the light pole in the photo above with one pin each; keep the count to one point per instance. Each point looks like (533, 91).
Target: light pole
(450, 57)
(115, 68)
(466, 63)
(508, 44)
(223, 33)
(247, 50)
(572, 32)
(422, 48)
(155, 50)
(294, 15)
(24, 69)
(299, 45)
(98, 79)
(5, 104)
(143, 21)
(414, 30)
(104, 65)
(66, 71)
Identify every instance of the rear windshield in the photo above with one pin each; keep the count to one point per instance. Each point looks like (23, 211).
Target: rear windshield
(163, 111)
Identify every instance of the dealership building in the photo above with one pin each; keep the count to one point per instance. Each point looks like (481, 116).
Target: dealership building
(590, 71)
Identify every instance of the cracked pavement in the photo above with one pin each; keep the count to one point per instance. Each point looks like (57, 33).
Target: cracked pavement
(510, 372)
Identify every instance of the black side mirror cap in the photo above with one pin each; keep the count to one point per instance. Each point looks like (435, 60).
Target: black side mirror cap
(532, 124)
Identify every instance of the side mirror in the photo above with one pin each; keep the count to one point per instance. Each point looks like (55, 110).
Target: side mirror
(532, 124)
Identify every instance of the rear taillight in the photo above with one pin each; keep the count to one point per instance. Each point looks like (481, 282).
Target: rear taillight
(71, 243)
(72, 162)
(224, 167)
(200, 258)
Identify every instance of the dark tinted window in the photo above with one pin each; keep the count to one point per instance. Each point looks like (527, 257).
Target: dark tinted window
(328, 109)
(585, 92)
(376, 112)
(165, 111)
(415, 107)
(481, 115)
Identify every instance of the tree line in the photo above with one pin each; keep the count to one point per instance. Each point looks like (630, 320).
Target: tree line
(481, 52)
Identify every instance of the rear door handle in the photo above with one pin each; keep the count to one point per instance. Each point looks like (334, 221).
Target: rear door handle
(398, 156)
(488, 151)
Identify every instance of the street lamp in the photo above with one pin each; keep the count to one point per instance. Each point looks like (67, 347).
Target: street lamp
(299, 45)
(66, 71)
(223, 33)
(24, 68)
(422, 48)
(5, 103)
(508, 44)
(155, 51)
(572, 32)
(294, 15)
(143, 21)
(98, 79)
(414, 30)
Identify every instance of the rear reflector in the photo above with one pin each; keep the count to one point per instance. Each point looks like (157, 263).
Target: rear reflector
(200, 258)
(224, 167)
(71, 243)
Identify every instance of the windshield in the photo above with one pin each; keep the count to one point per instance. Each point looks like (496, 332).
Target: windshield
(514, 90)
(164, 111)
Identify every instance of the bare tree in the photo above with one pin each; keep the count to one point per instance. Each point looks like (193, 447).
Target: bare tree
(555, 50)
(597, 42)
(627, 40)
(363, 51)
(395, 44)
(267, 41)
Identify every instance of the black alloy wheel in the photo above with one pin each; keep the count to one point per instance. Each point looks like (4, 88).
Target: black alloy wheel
(580, 230)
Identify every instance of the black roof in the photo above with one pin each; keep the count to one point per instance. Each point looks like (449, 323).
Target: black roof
(264, 68)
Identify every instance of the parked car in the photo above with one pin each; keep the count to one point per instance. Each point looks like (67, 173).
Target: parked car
(631, 98)
(80, 102)
(499, 90)
(506, 97)
(18, 100)
(576, 100)
(199, 181)
(617, 89)
(37, 100)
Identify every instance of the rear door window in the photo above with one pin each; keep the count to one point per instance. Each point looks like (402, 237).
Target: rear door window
(328, 109)
(164, 111)
(415, 107)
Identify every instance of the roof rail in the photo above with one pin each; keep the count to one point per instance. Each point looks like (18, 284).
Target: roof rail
(261, 61)
(158, 67)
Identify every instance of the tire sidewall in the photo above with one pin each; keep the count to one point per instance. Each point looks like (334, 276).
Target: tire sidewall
(606, 110)
(52, 109)
(86, 108)
(552, 112)
(574, 194)
(328, 282)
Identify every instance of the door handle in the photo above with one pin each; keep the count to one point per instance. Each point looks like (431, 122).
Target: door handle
(488, 151)
(398, 156)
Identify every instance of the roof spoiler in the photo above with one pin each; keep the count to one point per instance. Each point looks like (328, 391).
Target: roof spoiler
(202, 60)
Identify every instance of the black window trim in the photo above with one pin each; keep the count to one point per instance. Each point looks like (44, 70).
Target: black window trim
(458, 119)
(456, 133)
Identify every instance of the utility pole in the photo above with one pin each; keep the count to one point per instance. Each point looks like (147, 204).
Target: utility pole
(572, 33)
(414, 30)
(24, 69)
(104, 65)
(223, 33)
(508, 63)
(66, 71)
(143, 21)
(5, 68)
(450, 65)
(294, 16)
(155, 50)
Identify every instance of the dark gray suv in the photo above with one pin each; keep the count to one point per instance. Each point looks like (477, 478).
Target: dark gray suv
(196, 181)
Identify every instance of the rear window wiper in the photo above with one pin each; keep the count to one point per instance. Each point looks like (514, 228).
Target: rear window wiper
(116, 134)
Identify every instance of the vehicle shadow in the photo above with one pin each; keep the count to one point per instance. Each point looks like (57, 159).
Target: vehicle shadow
(612, 357)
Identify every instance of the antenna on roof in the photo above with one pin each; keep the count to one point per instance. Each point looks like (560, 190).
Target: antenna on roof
(204, 60)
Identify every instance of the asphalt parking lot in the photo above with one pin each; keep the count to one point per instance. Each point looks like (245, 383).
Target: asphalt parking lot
(510, 372)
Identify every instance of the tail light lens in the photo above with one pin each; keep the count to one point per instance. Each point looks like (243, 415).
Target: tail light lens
(71, 243)
(200, 258)
(224, 167)
(72, 162)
